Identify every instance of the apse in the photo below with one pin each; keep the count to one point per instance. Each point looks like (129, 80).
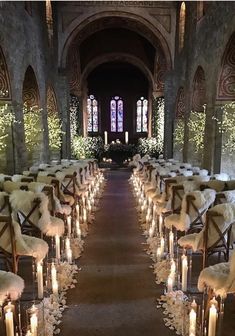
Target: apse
(123, 80)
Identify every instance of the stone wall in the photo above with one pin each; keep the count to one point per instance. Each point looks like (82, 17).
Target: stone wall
(205, 43)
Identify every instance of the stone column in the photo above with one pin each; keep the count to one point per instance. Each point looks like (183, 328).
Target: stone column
(63, 90)
(209, 139)
(45, 152)
(150, 111)
(19, 148)
(169, 96)
(218, 141)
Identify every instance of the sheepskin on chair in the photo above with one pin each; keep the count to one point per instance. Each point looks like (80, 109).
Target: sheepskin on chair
(25, 245)
(11, 285)
(182, 221)
(219, 277)
(196, 240)
(23, 201)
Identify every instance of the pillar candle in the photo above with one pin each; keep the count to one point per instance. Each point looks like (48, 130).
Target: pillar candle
(171, 244)
(55, 288)
(57, 247)
(40, 280)
(212, 321)
(9, 323)
(154, 210)
(192, 322)
(159, 253)
(69, 256)
(184, 272)
(54, 279)
(126, 137)
(160, 224)
(105, 137)
(34, 324)
(152, 229)
(162, 247)
(84, 216)
(69, 223)
(169, 284)
(78, 230)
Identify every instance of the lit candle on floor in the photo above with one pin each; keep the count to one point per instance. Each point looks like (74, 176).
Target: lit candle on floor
(212, 321)
(159, 253)
(84, 215)
(171, 243)
(160, 224)
(192, 322)
(69, 256)
(54, 279)
(57, 247)
(184, 272)
(9, 322)
(34, 324)
(169, 284)
(55, 288)
(78, 230)
(126, 137)
(69, 223)
(40, 280)
(105, 137)
(162, 246)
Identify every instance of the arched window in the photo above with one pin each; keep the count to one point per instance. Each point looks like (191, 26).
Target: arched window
(49, 20)
(142, 115)
(200, 10)
(116, 114)
(92, 110)
(182, 25)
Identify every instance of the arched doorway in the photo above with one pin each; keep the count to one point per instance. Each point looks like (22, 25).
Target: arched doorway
(112, 37)
(32, 117)
(54, 124)
(179, 124)
(7, 152)
(197, 117)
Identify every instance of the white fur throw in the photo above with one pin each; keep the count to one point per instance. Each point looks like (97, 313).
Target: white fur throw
(229, 196)
(11, 285)
(203, 200)
(221, 177)
(24, 200)
(195, 240)
(220, 277)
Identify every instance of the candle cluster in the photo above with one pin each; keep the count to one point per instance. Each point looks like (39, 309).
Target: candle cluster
(171, 266)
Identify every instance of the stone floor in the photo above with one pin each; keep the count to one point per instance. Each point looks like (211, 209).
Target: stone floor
(116, 292)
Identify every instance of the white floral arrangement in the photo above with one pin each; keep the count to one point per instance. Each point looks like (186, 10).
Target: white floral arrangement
(176, 307)
(66, 275)
(76, 247)
(162, 270)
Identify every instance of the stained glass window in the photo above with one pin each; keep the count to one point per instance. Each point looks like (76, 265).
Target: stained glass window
(116, 114)
(142, 115)
(92, 111)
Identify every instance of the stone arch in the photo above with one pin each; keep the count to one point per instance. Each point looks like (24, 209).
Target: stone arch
(226, 83)
(180, 107)
(30, 94)
(132, 22)
(199, 90)
(5, 88)
(123, 57)
(52, 107)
